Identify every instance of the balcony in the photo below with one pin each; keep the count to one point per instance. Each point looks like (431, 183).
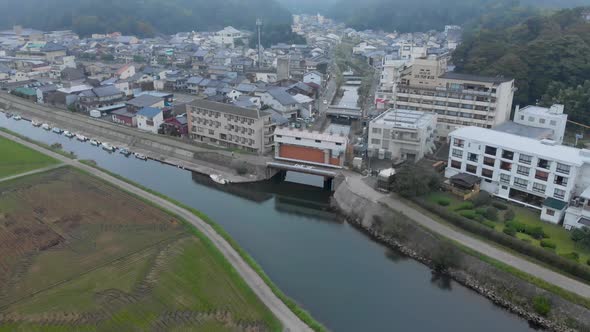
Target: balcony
(489, 161)
(543, 176)
(545, 164)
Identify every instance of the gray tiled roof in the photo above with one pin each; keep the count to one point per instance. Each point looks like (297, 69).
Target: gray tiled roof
(227, 108)
(144, 100)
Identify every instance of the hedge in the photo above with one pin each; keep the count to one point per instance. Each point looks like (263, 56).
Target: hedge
(500, 206)
(543, 255)
(464, 206)
(444, 202)
(548, 244)
(572, 255)
(469, 214)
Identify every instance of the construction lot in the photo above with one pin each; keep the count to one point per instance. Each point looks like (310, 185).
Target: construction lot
(78, 254)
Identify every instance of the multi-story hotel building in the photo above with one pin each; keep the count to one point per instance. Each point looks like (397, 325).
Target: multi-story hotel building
(459, 100)
(538, 174)
(230, 126)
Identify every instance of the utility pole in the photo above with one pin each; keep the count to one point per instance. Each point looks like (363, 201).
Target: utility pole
(258, 27)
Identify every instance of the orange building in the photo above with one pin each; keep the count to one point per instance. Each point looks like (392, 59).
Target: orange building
(315, 148)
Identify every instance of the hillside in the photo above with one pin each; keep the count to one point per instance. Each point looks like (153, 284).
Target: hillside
(141, 17)
(308, 6)
(548, 55)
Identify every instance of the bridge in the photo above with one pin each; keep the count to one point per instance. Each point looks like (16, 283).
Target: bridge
(327, 173)
(344, 111)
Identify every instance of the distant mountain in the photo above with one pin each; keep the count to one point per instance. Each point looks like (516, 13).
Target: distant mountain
(556, 3)
(308, 6)
(140, 17)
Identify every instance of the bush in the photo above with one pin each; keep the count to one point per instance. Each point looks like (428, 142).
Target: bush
(549, 257)
(548, 244)
(510, 231)
(469, 214)
(480, 211)
(526, 239)
(444, 201)
(483, 198)
(536, 232)
(464, 206)
(519, 227)
(588, 261)
(500, 206)
(242, 170)
(541, 305)
(509, 215)
(489, 224)
(447, 256)
(574, 256)
(491, 213)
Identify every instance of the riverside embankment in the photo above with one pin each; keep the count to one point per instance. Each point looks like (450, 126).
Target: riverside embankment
(174, 151)
(394, 229)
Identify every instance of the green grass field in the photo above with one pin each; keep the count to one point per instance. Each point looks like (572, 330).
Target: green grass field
(16, 159)
(111, 262)
(527, 216)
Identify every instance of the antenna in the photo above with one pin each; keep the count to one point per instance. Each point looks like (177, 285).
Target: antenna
(258, 28)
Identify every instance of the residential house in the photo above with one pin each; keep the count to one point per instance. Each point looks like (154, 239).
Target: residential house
(99, 97)
(313, 77)
(280, 100)
(145, 100)
(150, 119)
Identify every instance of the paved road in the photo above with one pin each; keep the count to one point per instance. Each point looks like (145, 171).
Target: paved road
(358, 186)
(279, 309)
(35, 171)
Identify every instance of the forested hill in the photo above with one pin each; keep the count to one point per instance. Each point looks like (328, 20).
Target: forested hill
(548, 55)
(140, 17)
(423, 15)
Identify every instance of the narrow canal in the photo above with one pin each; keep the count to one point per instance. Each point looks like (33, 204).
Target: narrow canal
(345, 280)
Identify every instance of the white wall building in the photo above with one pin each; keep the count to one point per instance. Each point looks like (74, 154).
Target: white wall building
(402, 135)
(228, 36)
(538, 174)
(542, 117)
(150, 119)
(323, 149)
(578, 214)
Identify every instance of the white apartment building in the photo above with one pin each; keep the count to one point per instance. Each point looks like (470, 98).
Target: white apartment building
(458, 99)
(402, 135)
(551, 118)
(390, 76)
(538, 174)
(230, 126)
(577, 214)
(228, 36)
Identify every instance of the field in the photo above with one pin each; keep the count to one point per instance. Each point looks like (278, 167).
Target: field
(15, 158)
(77, 254)
(529, 217)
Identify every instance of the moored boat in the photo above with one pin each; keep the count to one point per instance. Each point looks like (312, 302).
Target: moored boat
(45, 126)
(125, 152)
(140, 156)
(107, 147)
(17, 117)
(218, 179)
(35, 123)
(68, 134)
(57, 130)
(94, 142)
(81, 138)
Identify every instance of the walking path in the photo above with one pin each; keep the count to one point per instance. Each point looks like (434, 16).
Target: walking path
(289, 320)
(358, 186)
(35, 171)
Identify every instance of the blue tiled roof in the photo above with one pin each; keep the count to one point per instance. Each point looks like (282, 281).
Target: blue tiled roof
(149, 112)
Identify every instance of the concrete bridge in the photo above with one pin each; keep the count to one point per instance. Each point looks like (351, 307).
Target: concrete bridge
(327, 173)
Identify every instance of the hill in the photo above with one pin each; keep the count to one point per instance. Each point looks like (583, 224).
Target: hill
(308, 6)
(140, 17)
(547, 54)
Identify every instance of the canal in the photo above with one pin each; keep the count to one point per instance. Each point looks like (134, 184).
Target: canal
(343, 278)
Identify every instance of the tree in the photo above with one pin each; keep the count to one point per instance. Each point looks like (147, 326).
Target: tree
(411, 181)
(581, 236)
(445, 257)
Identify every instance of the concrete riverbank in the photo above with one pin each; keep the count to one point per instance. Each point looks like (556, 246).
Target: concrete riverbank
(177, 152)
(396, 230)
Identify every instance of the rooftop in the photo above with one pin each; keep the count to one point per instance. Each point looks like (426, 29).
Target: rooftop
(525, 145)
(227, 108)
(404, 119)
(144, 100)
(514, 128)
(149, 112)
(311, 135)
(476, 78)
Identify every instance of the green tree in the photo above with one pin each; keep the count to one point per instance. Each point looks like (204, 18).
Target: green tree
(412, 181)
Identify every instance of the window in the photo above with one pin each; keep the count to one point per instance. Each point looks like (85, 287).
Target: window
(456, 164)
(553, 123)
(522, 117)
(489, 161)
(560, 181)
(541, 175)
(550, 212)
(504, 178)
(506, 166)
(531, 119)
(525, 159)
(487, 173)
(211, 132)
(471, 169)
(318, 141)
(376, 130)
(376, 141)
(546, 164)
(279, 136)
(149, 123)
(457, 153)
(472, 157)
(506, 154)
(523, 170)
(298, 138)
(491, 150)
(559, 194)
(564, 169)
(540, 188)
(458, 142)
(522, 183)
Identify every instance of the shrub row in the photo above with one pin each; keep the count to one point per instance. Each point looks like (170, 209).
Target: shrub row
(536, 232)
(543, 255)
(500, 206)
(444, 202)
(464, 206)
(548, 244)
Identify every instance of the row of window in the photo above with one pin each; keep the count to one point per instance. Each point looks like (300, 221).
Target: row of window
(446, 104)
(447, 95)
(552, 123)
(215, 114)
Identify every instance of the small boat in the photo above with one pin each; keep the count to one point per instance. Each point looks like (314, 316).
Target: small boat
(57, 130)
(45, 126)
(218, 179)
(125, 152)
(68, 134)
(94, 142)
(81, 138)
(108, 147)
(17, 117)
(36, 123)
(8, 115)
(140, 156)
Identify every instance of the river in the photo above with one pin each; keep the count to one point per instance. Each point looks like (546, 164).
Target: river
(343, 278)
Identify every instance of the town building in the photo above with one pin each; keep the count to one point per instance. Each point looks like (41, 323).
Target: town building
(124, 117)
(150, 119)
(402, 135)
(577, 214)
(230, 126)
(537, 174)
(144, 100)
(458, 99)
(99, 97)
(310, 147)
(551, 118)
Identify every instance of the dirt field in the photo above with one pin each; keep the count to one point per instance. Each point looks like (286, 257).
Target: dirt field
(77, 254)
